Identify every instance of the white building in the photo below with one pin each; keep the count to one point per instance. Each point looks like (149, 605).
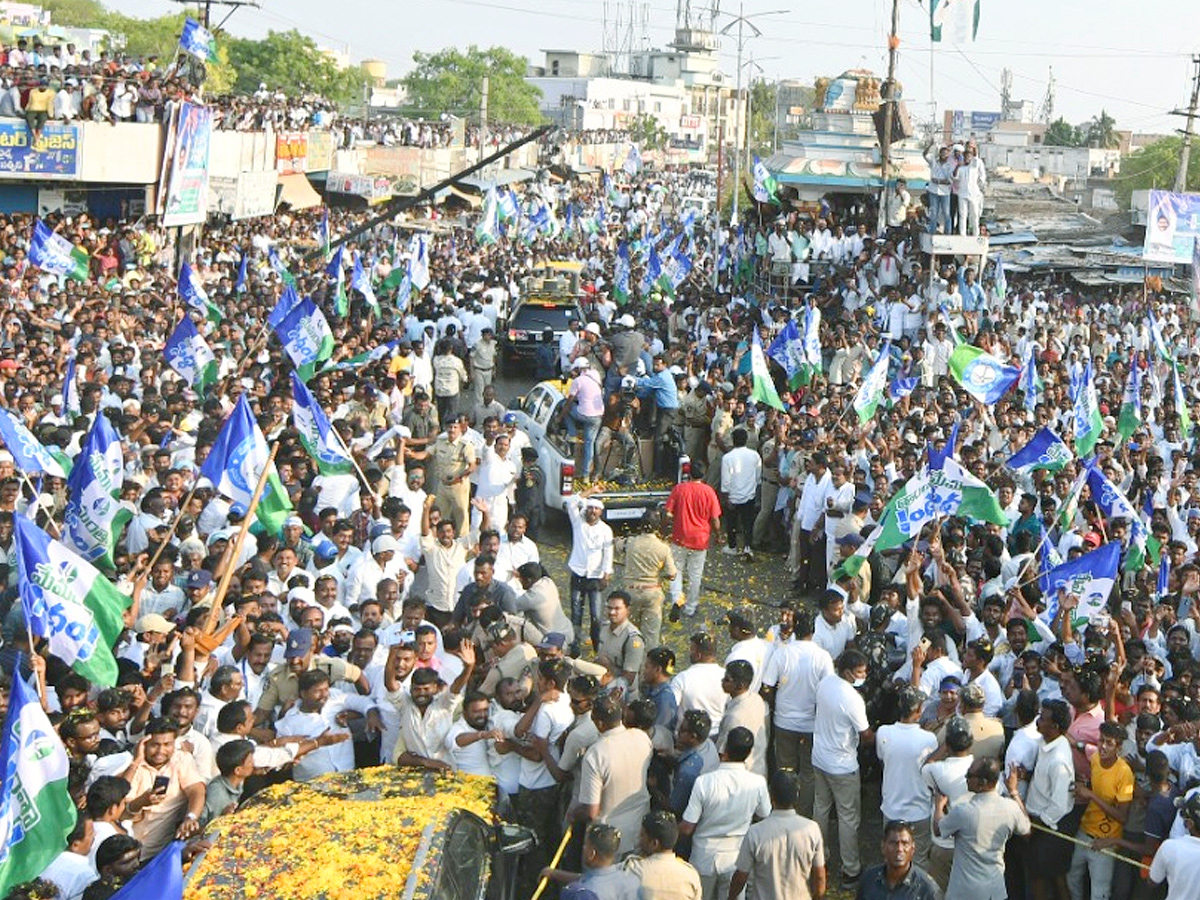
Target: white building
(1019, 147)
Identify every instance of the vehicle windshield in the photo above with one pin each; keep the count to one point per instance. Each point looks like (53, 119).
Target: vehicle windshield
(538, 317)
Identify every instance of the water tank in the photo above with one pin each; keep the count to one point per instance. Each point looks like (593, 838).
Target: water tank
(377, 70)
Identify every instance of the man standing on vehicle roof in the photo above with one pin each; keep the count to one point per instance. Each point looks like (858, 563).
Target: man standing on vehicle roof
(627, 343)
(585, 409)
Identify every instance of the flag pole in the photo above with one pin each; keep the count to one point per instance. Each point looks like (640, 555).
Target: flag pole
(38, 678)
(211, 622)
(36, 502)
(170, 534)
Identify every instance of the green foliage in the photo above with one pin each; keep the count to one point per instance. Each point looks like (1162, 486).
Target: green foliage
(290, 61)
(75, 13)
(763, 107)
(451, 81)
(287, 61)
(1154, 166)
(646, 131)
(1101, 132)
(1062, 133)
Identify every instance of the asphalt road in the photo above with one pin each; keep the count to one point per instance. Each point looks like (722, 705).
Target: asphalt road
(754, 588)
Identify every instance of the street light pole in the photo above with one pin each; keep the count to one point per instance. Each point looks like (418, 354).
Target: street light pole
(889, 110)
(742, 21)
(739, 122)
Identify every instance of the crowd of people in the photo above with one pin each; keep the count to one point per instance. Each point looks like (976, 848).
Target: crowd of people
(413, 618)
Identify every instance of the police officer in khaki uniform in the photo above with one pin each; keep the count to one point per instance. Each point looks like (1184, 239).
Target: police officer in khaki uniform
(693, 409)
(282, 687)
(621, 647)
(721, 439)
(648, 560)
(663, 875)
(511, 658)
(770, 483)
(451, 461)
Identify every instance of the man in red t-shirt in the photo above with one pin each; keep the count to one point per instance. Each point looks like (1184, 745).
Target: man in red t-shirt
(695, 517)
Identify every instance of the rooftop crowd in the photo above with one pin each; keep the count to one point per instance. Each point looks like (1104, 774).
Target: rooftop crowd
(410, 621)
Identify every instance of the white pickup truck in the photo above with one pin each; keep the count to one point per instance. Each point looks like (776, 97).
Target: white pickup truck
(539, 414)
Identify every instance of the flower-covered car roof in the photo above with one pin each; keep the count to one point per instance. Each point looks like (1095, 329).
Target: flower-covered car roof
(348, 836)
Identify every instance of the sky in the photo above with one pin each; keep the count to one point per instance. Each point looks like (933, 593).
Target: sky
(1133, 60)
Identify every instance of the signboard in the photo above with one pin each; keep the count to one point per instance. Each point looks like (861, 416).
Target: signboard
(64, 202)
(1172, 227)
(962, 124)
(689, 123)
(291, 152)
(185, 166)
(372, 187)
(255, 195)
(54, 155)
(392, 161)
(319, 156)
(245, 196)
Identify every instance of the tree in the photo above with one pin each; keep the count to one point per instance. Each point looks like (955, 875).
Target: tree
(764, 98)
(1101, 131)
(1154, 166)
(291, 62)
(647, 132)
(451, 81)
(1062, 133)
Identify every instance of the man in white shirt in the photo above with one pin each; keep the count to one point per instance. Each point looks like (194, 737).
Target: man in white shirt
(71, 871)
(741, 472)
(720, 811)
(1050, 799)
(841, 726)
(590, 562)
(790, 680)
(320, 710)
(469, 740)
(427, 709)
(544, 722)
(807, 560)
(970, 182)
(1178, 859)
(699, 685)
(903, 749)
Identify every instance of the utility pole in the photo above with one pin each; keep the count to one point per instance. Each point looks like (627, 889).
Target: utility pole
(1185, 151)
(889, 112)
(483, 103)
(741, 20)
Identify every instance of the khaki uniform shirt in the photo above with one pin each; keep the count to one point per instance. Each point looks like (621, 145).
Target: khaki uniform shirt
(623, 647)
(613, 776)
(779, 853)
(283, 685)
(517, 663)
(447, 460)
(648, 560)
(665, 876)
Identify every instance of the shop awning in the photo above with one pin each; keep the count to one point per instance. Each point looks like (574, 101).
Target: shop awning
(296, 192)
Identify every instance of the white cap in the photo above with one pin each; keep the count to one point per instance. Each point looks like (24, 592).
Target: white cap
(303, 594)
(592, 328)
(385, 543)
(579, 364)
(594, 503)
(627, 321)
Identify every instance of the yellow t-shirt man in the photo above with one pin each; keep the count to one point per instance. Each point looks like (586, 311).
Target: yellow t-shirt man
(1113, 784)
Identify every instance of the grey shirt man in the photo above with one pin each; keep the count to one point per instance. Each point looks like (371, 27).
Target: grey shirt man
(778, 853)
(981, 826)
